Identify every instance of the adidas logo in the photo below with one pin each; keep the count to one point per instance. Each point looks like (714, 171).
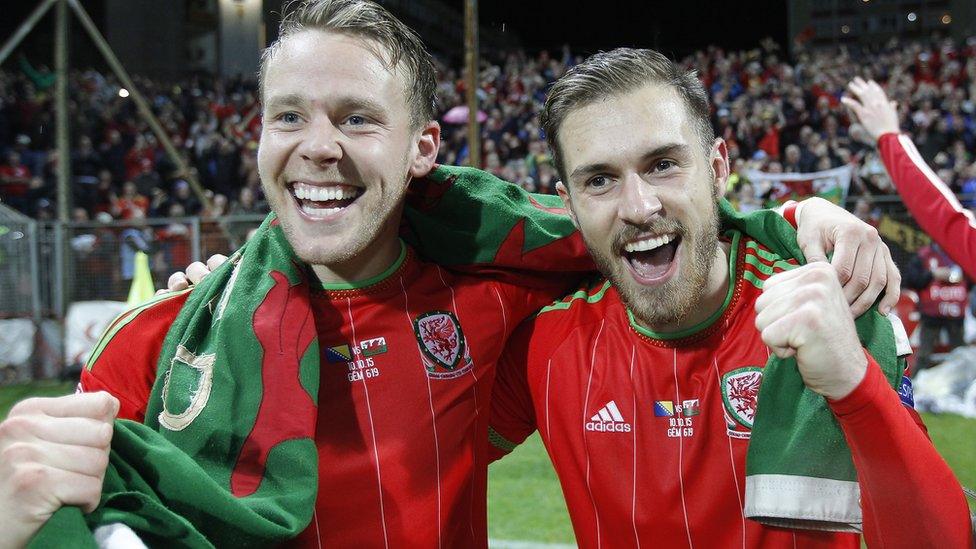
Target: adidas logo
(608, 419)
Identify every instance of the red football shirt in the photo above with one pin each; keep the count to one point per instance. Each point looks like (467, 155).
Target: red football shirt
(648, 432)
(407, 365)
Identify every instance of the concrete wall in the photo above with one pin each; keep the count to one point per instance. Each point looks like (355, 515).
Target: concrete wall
(240, 35)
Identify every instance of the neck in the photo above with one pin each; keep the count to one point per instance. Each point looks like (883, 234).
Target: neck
(716, 290)
(379, 257)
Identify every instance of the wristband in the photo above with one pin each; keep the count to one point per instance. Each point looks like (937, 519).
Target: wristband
(789, 212)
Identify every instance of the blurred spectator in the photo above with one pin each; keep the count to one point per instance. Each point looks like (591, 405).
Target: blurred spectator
(247, 204)
(130, 204)
(746, 199)
(114, 153)
(865, 211)
(183, 196)
(218, 207)
(942, 299)
(15, 181)
(135, 238)
(174, 242)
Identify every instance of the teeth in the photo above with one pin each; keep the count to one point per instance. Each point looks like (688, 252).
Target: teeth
(304, 191)
(319, 212)
(649, 244)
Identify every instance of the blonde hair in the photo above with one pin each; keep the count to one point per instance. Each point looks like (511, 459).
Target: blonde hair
(368, 20)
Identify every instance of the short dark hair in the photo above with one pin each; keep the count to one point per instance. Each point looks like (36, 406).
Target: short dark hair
(368, 20)
(618, 71)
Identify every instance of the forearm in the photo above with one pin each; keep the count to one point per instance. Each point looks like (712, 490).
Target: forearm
(909, 496)
(930, 201)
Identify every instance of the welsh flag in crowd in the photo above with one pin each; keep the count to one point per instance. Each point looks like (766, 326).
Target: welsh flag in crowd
(780, 187)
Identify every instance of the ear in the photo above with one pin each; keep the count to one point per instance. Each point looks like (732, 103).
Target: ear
(719, 159)
(428, 143)
(563, 193)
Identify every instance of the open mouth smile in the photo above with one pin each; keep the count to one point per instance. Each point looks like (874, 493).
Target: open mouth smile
(323, 201)
(652, 260)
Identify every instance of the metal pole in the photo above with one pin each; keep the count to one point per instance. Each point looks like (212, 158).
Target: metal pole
(63, 139)
(471, 62)
(24, 29)
(35, 272)
(61, 112)
(195, 241)
(141, 104)
(60, 265)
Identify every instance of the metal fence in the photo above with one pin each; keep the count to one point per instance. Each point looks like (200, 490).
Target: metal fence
(47, 266)
(95, 261)
(18, 265)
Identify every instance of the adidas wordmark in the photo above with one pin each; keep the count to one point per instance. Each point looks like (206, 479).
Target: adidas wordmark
(608, 419)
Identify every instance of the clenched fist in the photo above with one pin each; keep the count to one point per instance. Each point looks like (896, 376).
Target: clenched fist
(803, 312)
(53, 452)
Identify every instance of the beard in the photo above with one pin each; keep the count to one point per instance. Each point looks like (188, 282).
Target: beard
(669, 303)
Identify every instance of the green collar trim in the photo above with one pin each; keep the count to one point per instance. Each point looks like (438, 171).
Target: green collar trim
(360, 284)
(667, 336)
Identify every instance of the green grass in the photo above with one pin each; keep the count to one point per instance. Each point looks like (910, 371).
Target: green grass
(525, 501)
(955, 438)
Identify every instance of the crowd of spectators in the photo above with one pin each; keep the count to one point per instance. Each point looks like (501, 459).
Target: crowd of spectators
(777, 114)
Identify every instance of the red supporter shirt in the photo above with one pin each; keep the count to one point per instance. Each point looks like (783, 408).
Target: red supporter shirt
(15, 180)
(648, 432)
(408, 362)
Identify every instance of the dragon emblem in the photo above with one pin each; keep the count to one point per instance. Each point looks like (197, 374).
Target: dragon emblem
(740, 391)
(441, 340)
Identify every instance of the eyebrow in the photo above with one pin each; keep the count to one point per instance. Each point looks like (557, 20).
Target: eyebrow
(346, 103)
(668, 149)
(287, 100)
(361, 104)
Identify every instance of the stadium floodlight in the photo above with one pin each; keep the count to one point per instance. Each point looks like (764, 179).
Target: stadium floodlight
(123, 92)
(912, 16)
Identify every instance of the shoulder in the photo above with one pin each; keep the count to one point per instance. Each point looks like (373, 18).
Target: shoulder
(591, 299)
(579, 312)
(758, 262)
(139, 330)
(124, 361)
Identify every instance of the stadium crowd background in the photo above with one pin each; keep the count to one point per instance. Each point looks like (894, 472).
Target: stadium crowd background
(777, 114)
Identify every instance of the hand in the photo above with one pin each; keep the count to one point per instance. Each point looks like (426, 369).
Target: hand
(53, 452)
(803, 312)
(872, 108)
(862, 261)
(195, 272)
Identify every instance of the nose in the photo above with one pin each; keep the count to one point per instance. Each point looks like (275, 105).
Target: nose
(321, 144)
(638, 201)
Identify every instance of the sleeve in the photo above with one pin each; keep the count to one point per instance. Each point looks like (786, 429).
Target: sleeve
(930, 201)
(512, 417)
(124, 362)
(909, 496)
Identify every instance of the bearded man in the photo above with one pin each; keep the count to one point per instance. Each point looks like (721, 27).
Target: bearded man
(644, 384)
